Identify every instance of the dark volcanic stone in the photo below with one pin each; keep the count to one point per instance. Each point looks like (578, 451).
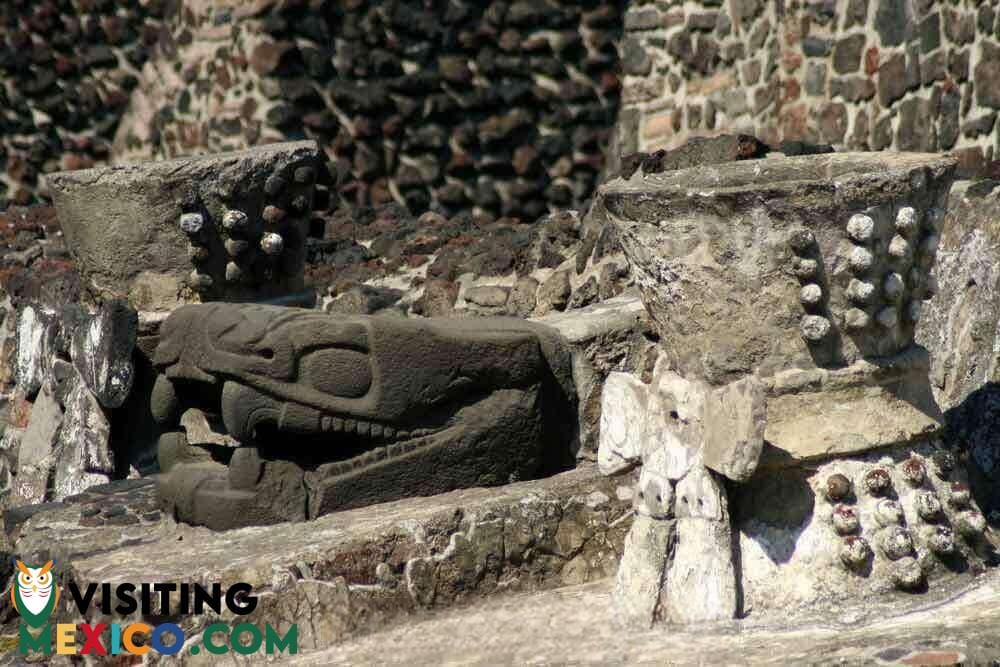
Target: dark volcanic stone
(892, 80)
(958, 64)
(882, 134)
(987, 76)
(847, 54)
(916, 126)
(854, 88)
(635, 60)
(891, 20)
(948, 121)
(815, 47)
(981, 125)
(930, 32)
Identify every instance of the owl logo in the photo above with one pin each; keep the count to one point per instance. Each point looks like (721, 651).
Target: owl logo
(35, 593)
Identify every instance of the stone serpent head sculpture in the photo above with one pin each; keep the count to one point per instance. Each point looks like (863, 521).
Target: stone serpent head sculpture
(335, 412)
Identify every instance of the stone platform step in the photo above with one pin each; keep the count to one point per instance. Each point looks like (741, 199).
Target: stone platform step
(346, 573)
(576, 626)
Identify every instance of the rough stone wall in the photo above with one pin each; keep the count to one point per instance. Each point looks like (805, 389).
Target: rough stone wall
(909, 75)
(66, 70)
(448, 106)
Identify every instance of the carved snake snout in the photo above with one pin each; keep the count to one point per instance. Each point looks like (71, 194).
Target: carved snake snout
(243, 409)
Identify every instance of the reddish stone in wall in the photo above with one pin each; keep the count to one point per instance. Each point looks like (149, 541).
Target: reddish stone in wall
(871, 61)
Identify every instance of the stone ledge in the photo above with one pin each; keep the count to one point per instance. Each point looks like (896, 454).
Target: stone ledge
(350, 572)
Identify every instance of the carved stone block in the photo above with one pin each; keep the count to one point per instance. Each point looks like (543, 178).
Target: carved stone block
(334, 412)
(230, 226)
(757, 267)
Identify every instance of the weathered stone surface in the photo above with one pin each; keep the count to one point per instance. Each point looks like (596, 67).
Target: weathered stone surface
(554, 293)
(641, 571)
(734, 428)
(602, 338)
(30, 350)
(700, 584)
(958, 324)
(623, 423)
(83, 454)
(33, 464)
(694, 255)
(364, 300)
(488, 296)
(102, 352)
(699, 151)
(350, 573)
(403, 428)
(122, 222)
(896, 407)
(521, 301)
(786, 528)
(519, 630)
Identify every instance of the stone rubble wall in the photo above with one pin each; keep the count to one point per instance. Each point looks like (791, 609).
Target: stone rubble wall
(857, 74)
(67, 69)
(504, 106)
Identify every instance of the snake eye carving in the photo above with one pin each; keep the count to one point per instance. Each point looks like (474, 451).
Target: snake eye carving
(337, 371)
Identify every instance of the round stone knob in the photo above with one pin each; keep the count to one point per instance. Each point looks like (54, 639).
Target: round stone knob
(928, 506)
(855, 552)
(856, 319)
(896, 542)
(877, 481)
(970, 524)
(236, 247)
(861, 259)
(815, 328)
(838, 486)
(860, 227)
(907, 574)
(940, 539)
(959, 496)
(233, 272)
(804, 268)
(914, 471)
(198, 253)
(192, 223)
(811, 294)
(906, 220)
(272, 243)
(305, 175)
(860, 291)
(899, 247)
(274, 185)
(845, 519)
(234, 221)
(199, 281)
(888, 512)
(273, 214)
